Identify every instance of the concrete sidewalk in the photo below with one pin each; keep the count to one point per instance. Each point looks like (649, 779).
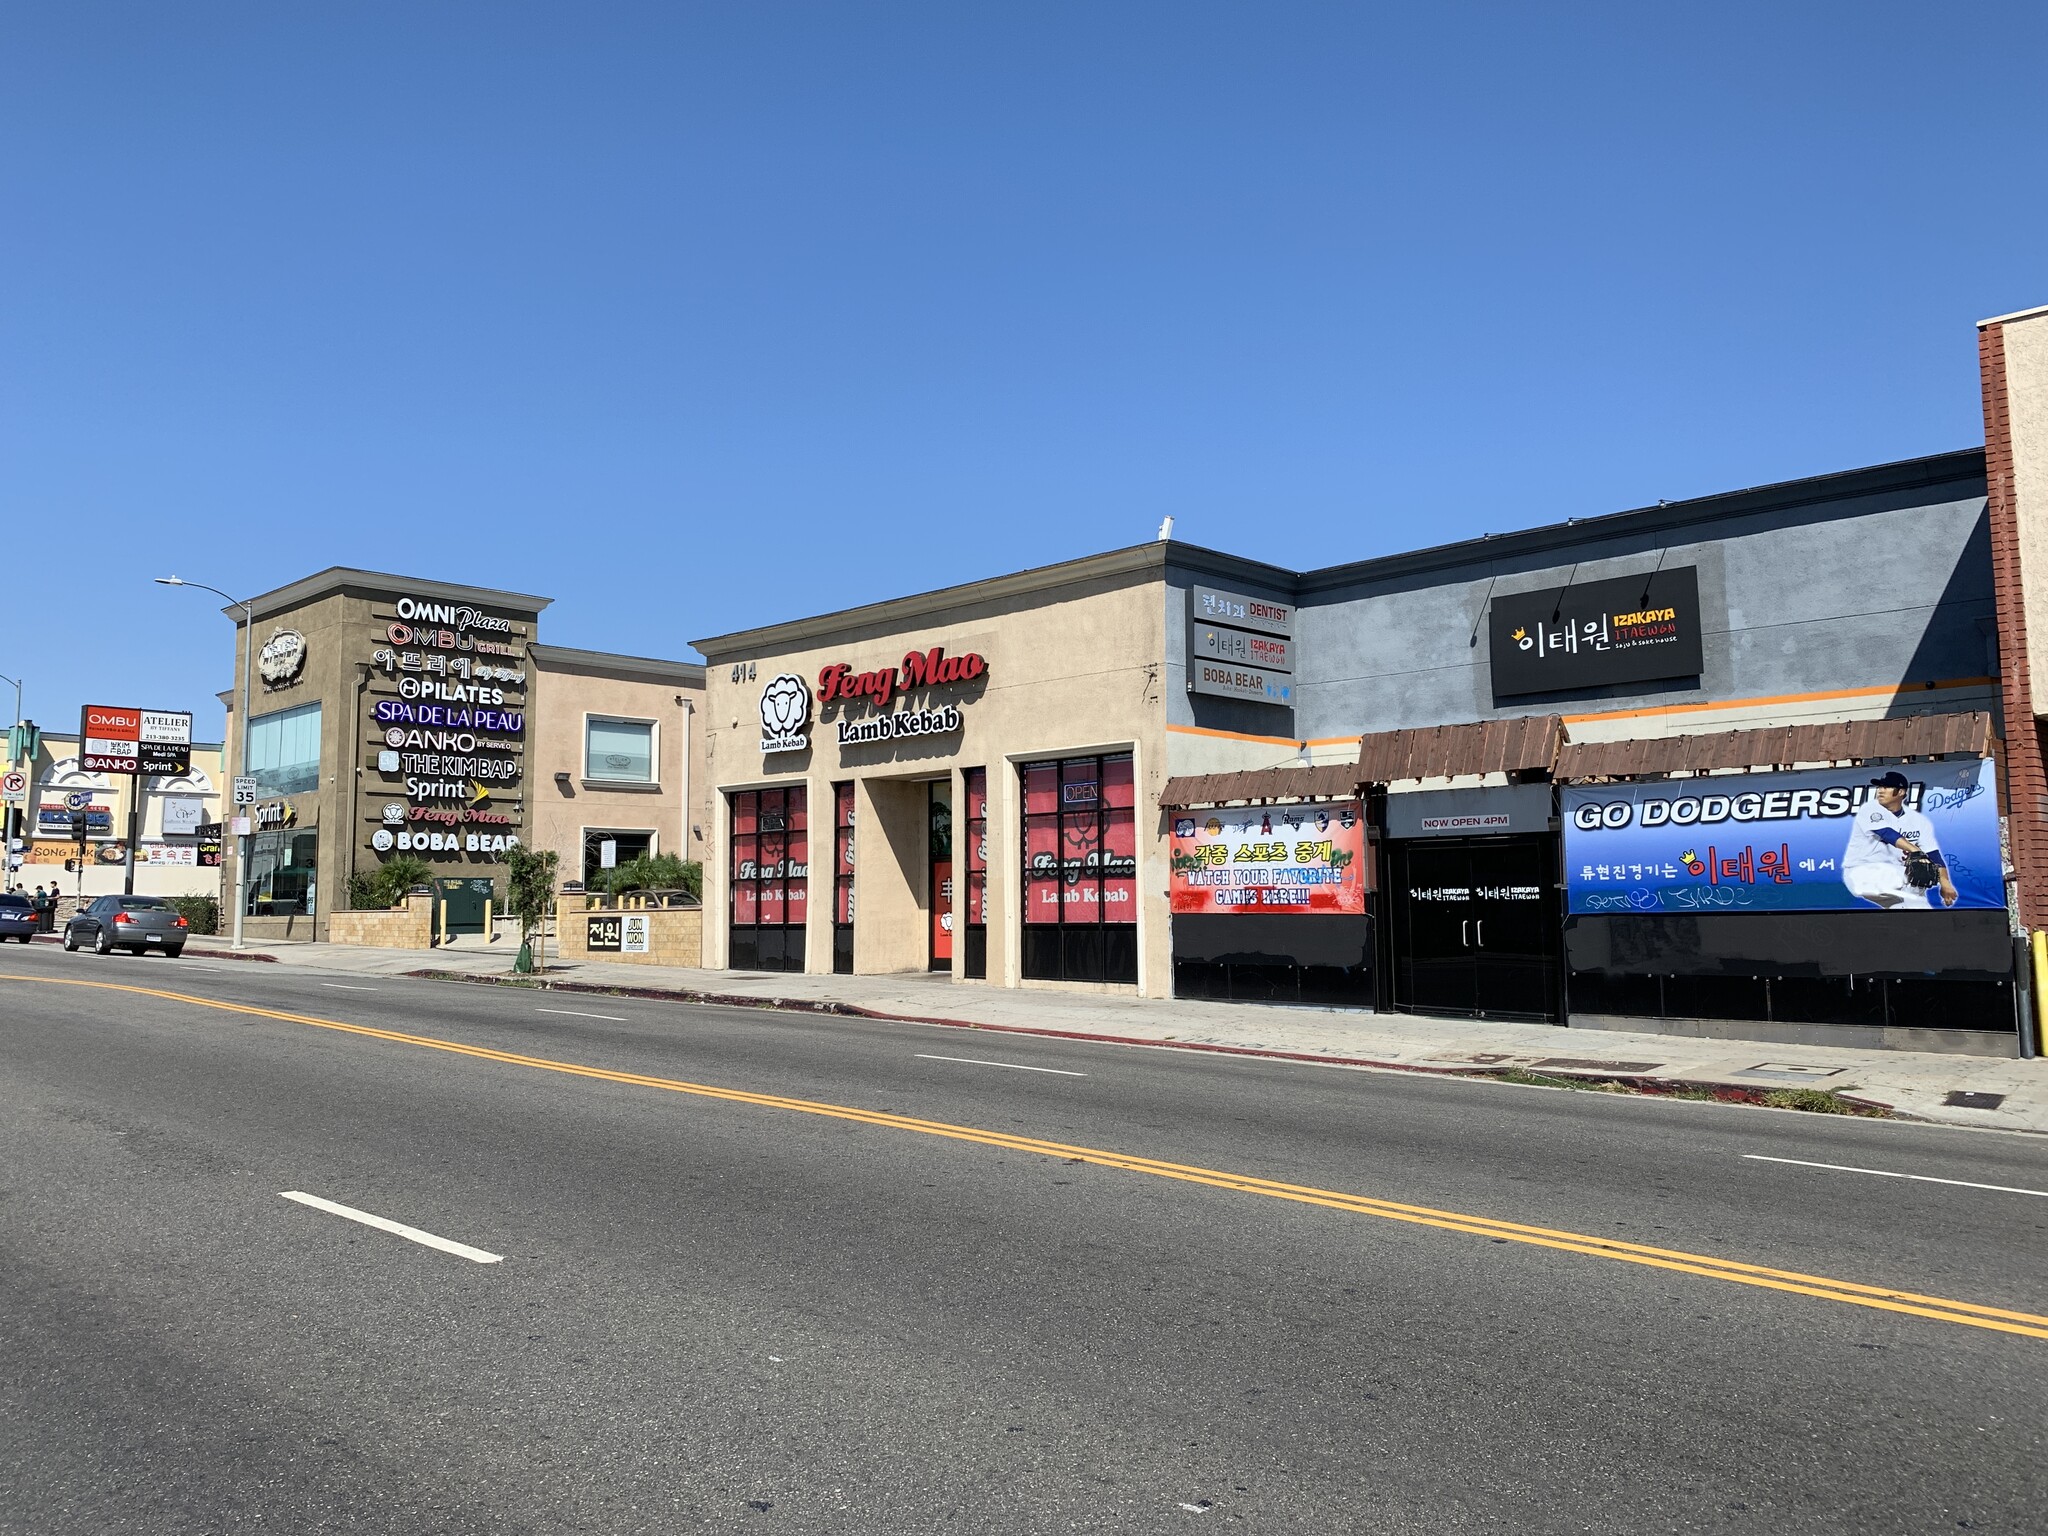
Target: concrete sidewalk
(1915, 1084)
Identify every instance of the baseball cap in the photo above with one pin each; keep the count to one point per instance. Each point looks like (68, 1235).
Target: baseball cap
(1892, 780)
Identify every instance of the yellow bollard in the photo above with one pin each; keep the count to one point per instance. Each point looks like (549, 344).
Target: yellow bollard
(441, 918)
(490, 929)
(2040, 939)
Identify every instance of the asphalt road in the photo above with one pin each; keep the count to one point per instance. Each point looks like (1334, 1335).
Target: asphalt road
(865, 1297)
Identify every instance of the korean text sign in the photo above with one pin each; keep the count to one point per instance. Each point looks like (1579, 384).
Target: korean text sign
(1591, 634)
(1270, 859)
(1824, 840)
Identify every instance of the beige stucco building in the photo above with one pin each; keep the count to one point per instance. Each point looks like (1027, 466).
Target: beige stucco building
(154, 823)
(392, 715)
(964, 781)
(617, 757)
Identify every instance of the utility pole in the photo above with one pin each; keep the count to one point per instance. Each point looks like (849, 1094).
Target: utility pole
(11, 821)
(242, 752)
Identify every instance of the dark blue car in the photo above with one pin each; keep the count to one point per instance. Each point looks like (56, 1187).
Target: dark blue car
(18, 918)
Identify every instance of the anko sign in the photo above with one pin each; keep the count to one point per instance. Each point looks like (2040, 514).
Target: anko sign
(138, 741)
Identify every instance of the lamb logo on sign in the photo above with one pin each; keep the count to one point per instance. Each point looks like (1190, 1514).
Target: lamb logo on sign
(785, 711)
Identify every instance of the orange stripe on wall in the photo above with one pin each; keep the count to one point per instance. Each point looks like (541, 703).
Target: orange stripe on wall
(1765, 702)
(1788, 698)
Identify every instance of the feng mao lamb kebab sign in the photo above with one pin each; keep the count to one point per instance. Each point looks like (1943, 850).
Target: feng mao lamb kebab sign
(865, 699)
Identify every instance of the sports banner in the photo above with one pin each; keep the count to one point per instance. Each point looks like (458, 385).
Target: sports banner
(1271, 859)
(1919, 837)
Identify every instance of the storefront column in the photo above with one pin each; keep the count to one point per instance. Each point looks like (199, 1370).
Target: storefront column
(819, 855)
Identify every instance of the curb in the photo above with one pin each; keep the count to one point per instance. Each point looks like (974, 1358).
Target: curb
(1644, 1087)
(211, 954)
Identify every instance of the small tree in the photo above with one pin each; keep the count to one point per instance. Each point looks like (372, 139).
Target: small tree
(530, 892)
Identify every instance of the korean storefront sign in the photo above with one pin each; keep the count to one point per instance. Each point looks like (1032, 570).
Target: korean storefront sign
(1274, 858)
(1591, 634)
(1240, 646)
(1825, 840)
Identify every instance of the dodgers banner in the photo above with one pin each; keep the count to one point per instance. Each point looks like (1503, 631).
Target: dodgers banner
(1918, 837)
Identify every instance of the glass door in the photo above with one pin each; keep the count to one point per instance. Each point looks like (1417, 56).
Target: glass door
(1432, 901)
(1516, 935)
(940, 813)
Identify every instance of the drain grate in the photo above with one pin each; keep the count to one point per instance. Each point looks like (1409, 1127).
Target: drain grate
(1586, 1064)
(1959, 1098)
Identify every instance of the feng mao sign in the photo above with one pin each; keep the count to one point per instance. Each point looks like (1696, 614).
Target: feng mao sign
(919, 672)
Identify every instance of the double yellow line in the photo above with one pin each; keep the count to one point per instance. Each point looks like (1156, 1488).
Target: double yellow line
(1937, 1308)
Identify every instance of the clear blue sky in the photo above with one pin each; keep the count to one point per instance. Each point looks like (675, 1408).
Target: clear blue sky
(699, 316)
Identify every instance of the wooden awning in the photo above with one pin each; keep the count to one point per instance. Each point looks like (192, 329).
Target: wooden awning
(1839, 741)
(1527, 744)
(1322, 782)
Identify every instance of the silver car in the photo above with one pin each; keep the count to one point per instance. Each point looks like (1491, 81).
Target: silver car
(127, 922)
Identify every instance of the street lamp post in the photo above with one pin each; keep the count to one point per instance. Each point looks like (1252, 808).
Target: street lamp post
(7, 821)
(242, 753)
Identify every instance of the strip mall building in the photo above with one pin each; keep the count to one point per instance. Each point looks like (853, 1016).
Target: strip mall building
(397, 716)
(1735, 765)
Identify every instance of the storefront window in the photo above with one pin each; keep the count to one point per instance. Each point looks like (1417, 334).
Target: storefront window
(1080, 870)
(619, 750)
(284, 751)
(976, 832)
(842, 879)
(770, 879)
(283, 874)
(626, 847)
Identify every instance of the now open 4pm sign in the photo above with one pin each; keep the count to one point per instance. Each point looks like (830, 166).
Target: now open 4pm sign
(1823, 840)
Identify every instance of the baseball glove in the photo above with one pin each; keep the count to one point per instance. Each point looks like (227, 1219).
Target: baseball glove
(1920, 871)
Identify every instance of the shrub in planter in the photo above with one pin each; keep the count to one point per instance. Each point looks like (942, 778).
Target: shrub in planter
(202, 913)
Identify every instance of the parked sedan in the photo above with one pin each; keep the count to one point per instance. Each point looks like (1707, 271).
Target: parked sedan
(127, 922)
(17, 917)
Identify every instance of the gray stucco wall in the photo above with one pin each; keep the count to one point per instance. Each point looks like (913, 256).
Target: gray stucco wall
(1800, 593)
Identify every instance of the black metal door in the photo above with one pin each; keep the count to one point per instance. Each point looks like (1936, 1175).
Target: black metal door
(1515, 931)
(1432, 912)
(1475, 927)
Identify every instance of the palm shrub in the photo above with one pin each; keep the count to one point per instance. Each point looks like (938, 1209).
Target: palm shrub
(386, 885)
(655, 872)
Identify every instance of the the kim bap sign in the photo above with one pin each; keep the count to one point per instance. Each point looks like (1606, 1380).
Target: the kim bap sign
(1593, 634)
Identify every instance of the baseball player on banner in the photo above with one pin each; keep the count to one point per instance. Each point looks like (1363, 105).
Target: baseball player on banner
(1893, 858)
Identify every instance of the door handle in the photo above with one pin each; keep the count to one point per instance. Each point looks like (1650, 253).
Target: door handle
(1465, 933)
(1482, 933)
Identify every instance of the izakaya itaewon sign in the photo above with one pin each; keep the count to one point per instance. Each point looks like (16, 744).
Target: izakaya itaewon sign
(1271, 859)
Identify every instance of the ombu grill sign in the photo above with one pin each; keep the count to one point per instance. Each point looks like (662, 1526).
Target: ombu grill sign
(920, 670)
